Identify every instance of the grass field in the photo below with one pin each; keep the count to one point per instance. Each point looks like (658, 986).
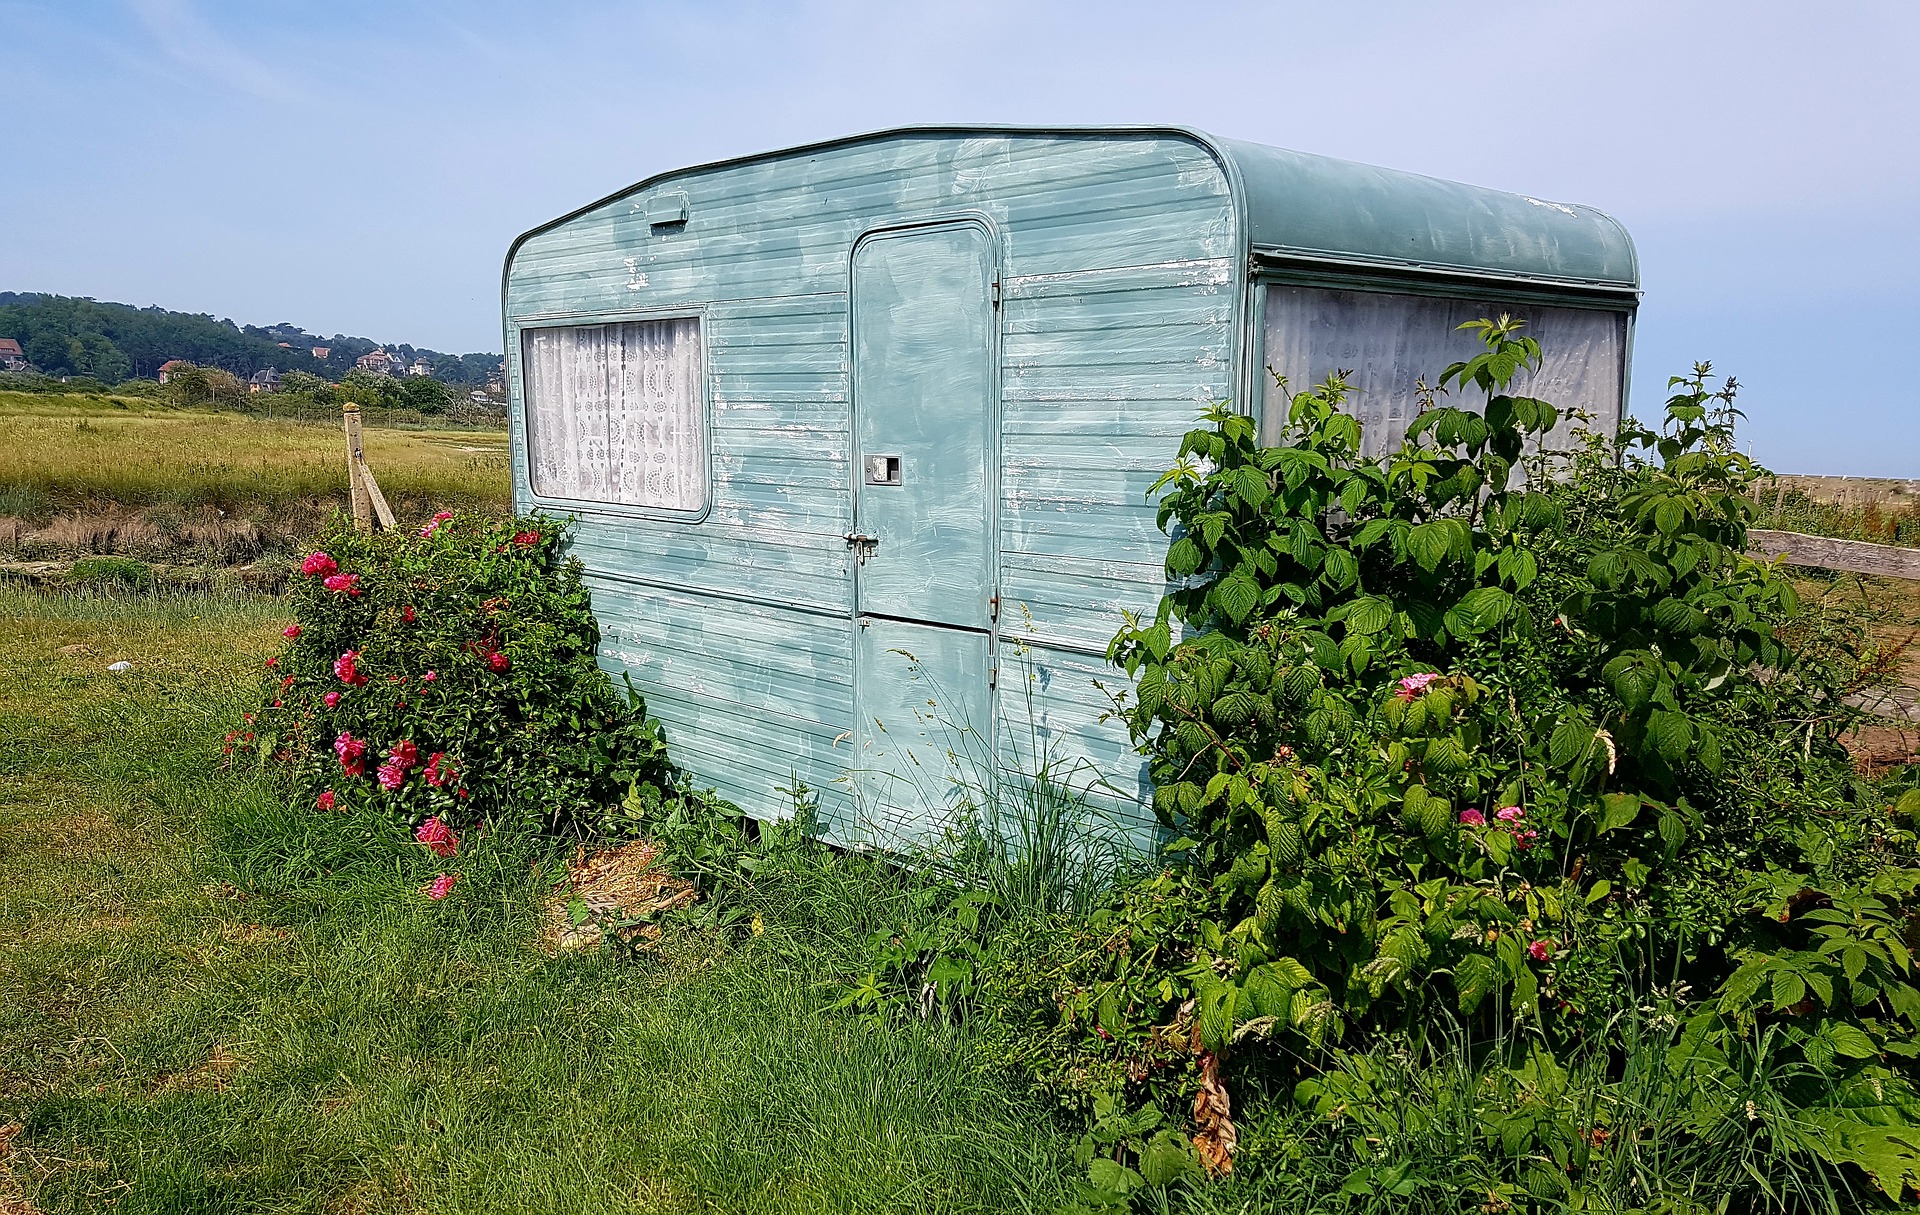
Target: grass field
(211, 1004)
(92, 474)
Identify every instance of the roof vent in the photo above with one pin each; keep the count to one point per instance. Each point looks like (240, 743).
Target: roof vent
(667, 210)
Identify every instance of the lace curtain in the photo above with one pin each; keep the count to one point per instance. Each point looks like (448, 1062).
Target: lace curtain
(1389, 341)
(615, 413)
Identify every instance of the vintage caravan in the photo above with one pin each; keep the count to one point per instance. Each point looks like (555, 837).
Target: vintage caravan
(858, 435)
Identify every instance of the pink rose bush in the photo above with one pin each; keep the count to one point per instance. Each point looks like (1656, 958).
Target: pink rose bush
(421, 663)
(440, 887)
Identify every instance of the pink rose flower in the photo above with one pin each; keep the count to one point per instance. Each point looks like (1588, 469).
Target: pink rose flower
(433, 525)
(1413, 685)
(346, 668)
(391, 775)
(348, 584)
(1540, 951)
(405, 753)
(407, 615)
(292, 630)
(352, 752)
(1509, 814)
(438, 888)
(1473, 818)
(498, 661)
(1523, 840)
(438, 771)
(331, 699)
(325, 800)
(438, 836)
(319, 565)
(429, 677)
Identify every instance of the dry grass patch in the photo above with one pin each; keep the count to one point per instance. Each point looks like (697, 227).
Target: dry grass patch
(607, 892)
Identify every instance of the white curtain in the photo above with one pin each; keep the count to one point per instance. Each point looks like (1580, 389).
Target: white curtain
(1389, 341)
(615, 413)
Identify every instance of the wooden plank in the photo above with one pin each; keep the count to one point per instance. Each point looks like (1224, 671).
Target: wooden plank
(372, 490)
(356, 460)
(1848, 556)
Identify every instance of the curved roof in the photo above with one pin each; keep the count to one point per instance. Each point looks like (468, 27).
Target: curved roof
(1318, 207)
(1302, 206)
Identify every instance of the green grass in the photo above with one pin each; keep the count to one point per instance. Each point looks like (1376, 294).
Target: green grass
(209, 1002)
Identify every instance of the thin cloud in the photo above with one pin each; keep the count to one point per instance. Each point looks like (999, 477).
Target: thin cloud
(190, 42)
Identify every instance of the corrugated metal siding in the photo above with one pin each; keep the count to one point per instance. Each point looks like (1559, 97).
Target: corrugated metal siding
(1119, 324)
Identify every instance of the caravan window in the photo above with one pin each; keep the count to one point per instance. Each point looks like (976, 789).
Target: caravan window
(1389, 341)
(617, 413)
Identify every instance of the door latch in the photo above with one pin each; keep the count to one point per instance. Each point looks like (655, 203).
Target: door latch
(862, 546)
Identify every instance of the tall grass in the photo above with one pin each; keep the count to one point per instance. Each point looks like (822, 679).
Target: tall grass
(145, 456)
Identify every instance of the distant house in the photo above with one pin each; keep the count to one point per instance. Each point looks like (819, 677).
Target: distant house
(285, 345)
(375, 362)
(321, 352)
(420, 367)
(170, 366)
(12, 358)
(264, 380)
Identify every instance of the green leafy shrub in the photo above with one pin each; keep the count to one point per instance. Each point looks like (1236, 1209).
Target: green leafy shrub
(450, 673)
(1467, 756)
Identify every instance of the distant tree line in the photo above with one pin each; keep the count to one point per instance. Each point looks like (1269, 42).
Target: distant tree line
(69, 336)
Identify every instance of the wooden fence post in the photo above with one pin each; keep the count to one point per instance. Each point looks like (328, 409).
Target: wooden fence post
(356, 458)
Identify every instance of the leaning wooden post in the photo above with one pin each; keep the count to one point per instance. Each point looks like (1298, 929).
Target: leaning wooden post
(356, 456)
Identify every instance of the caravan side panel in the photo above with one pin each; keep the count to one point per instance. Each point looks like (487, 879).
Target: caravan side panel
(1121, 281)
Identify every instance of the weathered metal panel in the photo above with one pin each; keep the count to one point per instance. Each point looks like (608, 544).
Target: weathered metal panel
(1340, 211)
(1118, 259)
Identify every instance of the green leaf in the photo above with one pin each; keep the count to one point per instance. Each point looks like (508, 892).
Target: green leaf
(1428, 544)
(1167, 1158)
(1634, 676)
(1340, 570)
(1489, 605)
(1788, 989)
(1369, 614)
(1570, 740)
(1473, 978)
(1671, 733)
(1851, 1041)
(1236, 595)
(1183, 558)
(1618, 810)
(1112, 1177)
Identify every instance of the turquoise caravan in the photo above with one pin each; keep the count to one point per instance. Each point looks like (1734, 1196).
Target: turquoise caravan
(858, 436)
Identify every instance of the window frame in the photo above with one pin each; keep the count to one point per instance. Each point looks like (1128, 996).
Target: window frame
(1497, 290)
(520, 415)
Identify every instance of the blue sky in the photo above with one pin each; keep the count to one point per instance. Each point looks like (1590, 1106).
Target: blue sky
(361, 167)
